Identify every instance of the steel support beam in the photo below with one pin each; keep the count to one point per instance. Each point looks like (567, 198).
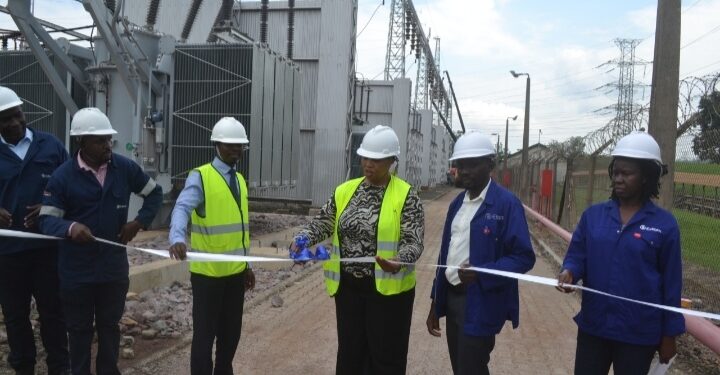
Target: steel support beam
(99, 14)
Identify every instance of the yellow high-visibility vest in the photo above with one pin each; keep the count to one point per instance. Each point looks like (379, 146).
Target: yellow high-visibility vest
(388, 238)
(224, 228)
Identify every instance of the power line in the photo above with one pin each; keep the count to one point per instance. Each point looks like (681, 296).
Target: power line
(716, 28)
(371, 18)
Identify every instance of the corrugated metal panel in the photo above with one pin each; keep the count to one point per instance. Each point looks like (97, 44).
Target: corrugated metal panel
(307, 35)
(267, 124)
(306, 167)
(330, 163)
(172, 15)
(296, 138)
(309, 93)
(287, 125)
(256, 116)
(278, 122)
(324, 95)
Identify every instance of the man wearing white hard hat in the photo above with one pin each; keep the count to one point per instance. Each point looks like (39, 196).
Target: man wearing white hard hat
(629, 247)
(87, 198)
(215, 202)
(28, 268)
(485, 227)
(377, 215)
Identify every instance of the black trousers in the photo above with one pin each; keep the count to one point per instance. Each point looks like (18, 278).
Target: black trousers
(373, 330)
(468, 354)
(217, 319)
(33, 273)
(594, 355)
(104, 304)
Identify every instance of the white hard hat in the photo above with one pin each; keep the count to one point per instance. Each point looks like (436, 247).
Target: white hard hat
(379, 143)
(8, 99)
(90, 121)
(473, 145)
(638, 145)
(229, 130)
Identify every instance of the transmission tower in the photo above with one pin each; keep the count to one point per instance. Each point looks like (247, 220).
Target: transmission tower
(395, 56)
(628, 115)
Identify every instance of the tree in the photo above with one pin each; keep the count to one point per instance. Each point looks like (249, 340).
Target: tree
(570, 150)
(706, 144)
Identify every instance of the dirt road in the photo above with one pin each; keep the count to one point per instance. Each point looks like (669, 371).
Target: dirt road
(299, 337)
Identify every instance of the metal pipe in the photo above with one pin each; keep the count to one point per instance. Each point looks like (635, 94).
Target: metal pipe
(452, 92)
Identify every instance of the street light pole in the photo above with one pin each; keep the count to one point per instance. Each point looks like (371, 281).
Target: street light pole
(526, 135)
(497, 145)
(507, 125)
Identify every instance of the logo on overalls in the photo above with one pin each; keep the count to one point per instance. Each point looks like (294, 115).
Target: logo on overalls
(486, 230)
(637, 235)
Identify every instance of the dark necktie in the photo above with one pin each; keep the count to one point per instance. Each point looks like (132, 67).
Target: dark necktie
(233, 185)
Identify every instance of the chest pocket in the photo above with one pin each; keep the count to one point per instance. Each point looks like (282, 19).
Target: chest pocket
(647, 246)
(487, 229)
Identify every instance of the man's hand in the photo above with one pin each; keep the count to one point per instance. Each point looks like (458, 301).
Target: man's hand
(31, 217)
(81, 234)
(467, 276)
(433, 323)
(388, 265)
(565, 278)
(178, 251)
(249, 279)
(5, 218)
(667, 349)
(129, 231)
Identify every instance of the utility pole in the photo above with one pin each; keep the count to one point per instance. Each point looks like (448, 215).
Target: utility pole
(664, 95)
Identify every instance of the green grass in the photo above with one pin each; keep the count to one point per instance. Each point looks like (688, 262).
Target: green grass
(695, 167)
(699, 236)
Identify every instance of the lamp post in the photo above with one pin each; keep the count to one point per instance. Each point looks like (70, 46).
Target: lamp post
(526, 134)
(507, 124)
(497, 145)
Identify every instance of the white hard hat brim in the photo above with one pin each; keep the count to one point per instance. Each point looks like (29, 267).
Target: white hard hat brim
(232, 141)
(94, 132)
(471, 155)
(11, 105)
(374, 155)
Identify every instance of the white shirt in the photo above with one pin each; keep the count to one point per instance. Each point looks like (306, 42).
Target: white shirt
(22, 146)
(459, 248)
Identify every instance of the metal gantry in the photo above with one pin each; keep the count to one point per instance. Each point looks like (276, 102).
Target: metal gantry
(395, 56)
(430, 91)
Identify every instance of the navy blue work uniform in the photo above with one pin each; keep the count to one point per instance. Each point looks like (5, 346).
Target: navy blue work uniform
(500, 240)
(641, 261)
(28, 268)
(94, 276)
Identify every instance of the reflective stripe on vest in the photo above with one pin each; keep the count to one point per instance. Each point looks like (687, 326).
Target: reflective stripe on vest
(388, 238)
(224, 228)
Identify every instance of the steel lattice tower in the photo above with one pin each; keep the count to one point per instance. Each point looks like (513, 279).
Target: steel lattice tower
(395, 56)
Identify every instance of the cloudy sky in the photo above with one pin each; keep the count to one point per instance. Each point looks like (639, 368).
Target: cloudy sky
(560, 43)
